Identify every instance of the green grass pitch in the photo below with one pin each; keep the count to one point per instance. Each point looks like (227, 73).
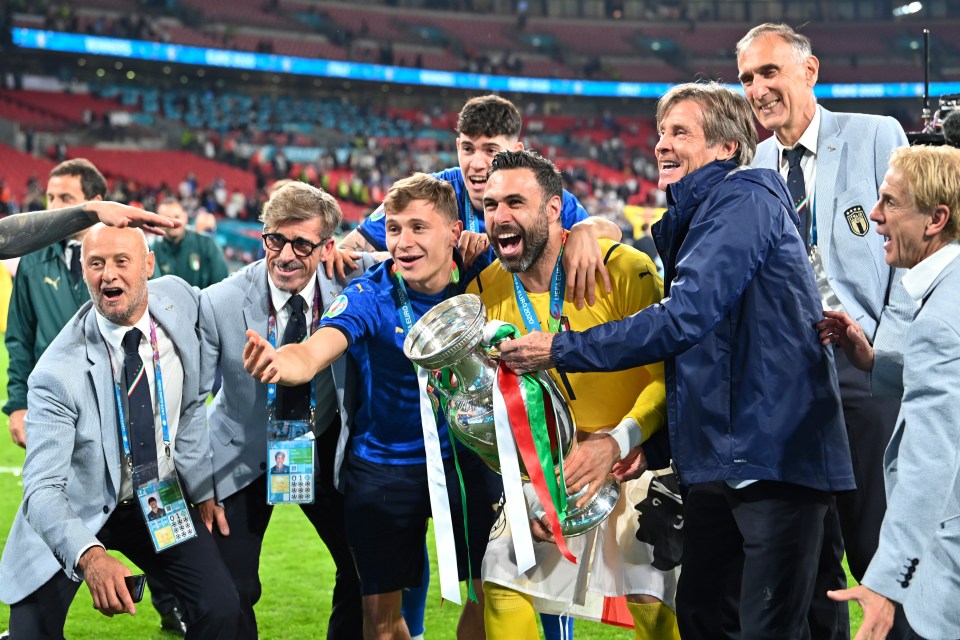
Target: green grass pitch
(295, 568)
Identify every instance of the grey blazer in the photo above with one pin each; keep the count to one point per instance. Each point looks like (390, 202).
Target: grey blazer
(917, 561)
(71, 476)
(238, 414)
(853, 151)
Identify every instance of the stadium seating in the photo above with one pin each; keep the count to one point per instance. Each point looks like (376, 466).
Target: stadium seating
(163, 167)
(18, 168)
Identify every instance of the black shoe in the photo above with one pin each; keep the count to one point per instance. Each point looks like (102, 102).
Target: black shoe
(172, 621)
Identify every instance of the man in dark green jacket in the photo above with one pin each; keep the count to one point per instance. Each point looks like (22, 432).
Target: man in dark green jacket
(194, 257)
(47, 290)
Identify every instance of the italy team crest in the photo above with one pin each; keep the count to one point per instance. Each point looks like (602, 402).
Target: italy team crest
(857, 220)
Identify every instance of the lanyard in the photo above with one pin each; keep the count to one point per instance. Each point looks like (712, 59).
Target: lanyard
(161, 399)
(813, 223)
(272, 338)
(404, 310)
(558, 284)
(402, 298)
(471, 223)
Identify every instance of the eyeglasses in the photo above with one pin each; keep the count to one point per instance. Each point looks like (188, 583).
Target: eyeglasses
(302, 247)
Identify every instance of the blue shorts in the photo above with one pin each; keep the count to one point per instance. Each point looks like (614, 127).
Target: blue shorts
(386, 509)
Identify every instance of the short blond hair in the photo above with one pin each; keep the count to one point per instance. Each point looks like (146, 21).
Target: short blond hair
(421, 186)
(298, 201)
(934, 177)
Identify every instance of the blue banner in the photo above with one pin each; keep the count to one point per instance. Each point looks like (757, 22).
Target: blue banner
(182, 54)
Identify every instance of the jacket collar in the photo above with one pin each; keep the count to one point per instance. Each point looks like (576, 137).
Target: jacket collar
(685, 195)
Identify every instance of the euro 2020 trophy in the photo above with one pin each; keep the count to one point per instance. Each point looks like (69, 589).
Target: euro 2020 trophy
(449, 338)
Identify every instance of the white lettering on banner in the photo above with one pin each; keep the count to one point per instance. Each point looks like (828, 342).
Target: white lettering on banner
(109, 46)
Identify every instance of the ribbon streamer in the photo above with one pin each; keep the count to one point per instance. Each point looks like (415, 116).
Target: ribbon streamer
(532, 433)
(513, 498)
(439, 503)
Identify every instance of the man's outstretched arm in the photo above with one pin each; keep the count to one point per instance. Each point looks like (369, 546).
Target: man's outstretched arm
(27, 232)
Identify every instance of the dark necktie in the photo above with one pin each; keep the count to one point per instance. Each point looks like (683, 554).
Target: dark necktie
(75, 270)
(295, 401)
(798, 189)
(140, 422)
(74, 262)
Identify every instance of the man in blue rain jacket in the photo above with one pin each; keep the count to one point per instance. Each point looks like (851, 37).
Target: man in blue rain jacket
(753, 406)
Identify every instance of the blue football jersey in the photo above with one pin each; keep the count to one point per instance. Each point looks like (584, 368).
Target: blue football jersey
(374, 230)
(387, 427)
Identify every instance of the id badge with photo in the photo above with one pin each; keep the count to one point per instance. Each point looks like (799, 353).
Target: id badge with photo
(164, 509)
(290, 459)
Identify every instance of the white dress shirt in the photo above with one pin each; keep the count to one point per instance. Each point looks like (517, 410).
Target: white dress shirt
(325, 394)
(917, 281)
(280, 299)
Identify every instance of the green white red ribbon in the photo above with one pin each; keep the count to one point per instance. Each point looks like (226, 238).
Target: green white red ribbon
(530, 415)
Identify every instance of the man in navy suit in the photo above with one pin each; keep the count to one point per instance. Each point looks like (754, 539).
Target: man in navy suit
(916, 562)
(833, 164)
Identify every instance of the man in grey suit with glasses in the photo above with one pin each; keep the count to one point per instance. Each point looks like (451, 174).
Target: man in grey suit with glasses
(283, 288)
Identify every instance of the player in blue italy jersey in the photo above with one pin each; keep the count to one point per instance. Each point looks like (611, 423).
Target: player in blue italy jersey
(486, 126)
(383, 467)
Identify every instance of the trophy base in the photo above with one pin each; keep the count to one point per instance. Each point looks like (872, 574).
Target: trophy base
(581, 520)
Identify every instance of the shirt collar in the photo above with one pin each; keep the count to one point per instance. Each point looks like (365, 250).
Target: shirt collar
(917, 280)
(809, 139)
(280, 298)
(113, 333)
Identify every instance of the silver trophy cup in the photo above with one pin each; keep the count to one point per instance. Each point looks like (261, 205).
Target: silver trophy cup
(449, 337)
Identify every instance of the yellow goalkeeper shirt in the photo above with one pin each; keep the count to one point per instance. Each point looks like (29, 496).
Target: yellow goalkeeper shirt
(598, 400)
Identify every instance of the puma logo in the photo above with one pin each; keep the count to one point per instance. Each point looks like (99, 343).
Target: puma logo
(52, 283)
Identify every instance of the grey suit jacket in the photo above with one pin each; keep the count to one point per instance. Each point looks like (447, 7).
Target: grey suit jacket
(71, 476)
(853, 151)
(238, 415)
(917, 562)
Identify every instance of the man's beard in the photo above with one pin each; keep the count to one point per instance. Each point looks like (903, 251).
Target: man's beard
(534, 243)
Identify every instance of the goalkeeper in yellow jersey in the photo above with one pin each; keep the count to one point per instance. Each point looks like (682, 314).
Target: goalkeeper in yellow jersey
(635, 552)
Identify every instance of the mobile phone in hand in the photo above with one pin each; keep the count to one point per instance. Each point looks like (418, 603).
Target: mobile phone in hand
(135, 586)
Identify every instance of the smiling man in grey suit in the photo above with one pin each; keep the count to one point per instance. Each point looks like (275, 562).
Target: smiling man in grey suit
(916, 562)
(298, 224)
(79, 497)
(833, 164)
